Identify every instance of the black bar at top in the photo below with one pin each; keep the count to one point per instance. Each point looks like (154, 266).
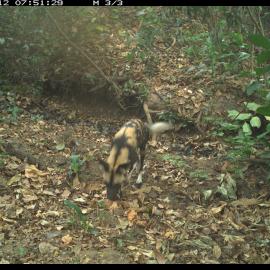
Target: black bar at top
(125, 2)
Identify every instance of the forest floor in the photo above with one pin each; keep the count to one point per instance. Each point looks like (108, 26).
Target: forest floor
(178, 216)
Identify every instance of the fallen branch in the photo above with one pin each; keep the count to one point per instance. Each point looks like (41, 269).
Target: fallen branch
(23, 155)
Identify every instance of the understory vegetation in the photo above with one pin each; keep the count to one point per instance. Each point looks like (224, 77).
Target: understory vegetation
(71, 76)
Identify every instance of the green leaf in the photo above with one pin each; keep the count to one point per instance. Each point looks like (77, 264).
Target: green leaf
(247, 129)
(232, 114)
(255, 122)
(263, 57)
(243, 56)
(2, 41)
(253, 106)
(243, 116)
(264, 110)
(253, 87)
(75, 207)
(60, 146)
(260, 41)
(263, 70)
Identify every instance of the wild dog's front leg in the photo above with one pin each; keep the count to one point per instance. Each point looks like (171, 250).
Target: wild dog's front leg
(140, 171)
(131, 172)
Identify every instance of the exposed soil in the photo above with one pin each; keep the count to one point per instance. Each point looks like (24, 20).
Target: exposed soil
(168, 220)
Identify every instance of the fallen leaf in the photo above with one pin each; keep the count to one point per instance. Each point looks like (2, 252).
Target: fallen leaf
(235, 239)
(44, 222)
(216, 210)
(67, 239)
(31, 171)
(123, 223)
(81, 200)
(170, 256)
(132, 247)
(60, 146)
(228, 187)
(19, 211)
(144, 189)
(216, 251)
(48, 192)
(156, 211)
(131, 214)
(245, 202)
(158, 189)
(159, 257)
(207, 194)
(16, 178)
(46, 248)
(169, 234)
(52, 214)
(28, 196)
(76, 182)
(112, 205)
(65, 194)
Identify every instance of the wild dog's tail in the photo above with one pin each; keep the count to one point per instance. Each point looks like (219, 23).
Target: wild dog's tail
(159, 127)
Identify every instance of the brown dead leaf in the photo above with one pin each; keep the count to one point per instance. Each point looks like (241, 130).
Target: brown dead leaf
(28, 196)
(246, 202)
(123, 223)
(159, 257)
(65, 194)
(169, 234)
(76, 182)
(112, 205)
(131, 215)
(93, 186)
(234, 239)
(158, 189)
(161, 206)
(216, 251)
(16, 178)
(215, 210)
(141, 197)
(31, 171)
(144, 189)
(156, 211)
(141, 223)
(66, 239)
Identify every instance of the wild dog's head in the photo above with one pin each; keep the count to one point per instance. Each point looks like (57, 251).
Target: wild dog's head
(114, 178)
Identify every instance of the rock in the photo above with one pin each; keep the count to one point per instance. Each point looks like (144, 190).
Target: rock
(46, 248)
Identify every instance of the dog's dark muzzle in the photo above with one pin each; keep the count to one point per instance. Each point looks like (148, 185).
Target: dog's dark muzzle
(114, 192)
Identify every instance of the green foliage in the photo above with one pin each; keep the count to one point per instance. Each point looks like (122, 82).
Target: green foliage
(21, 251)
(14, 111)
(199, 174)
(79, 219)
(37, 117)
(75, 164)
(175, 160)
(169, 116)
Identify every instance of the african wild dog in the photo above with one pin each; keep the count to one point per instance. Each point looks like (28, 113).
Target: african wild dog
(127, 154)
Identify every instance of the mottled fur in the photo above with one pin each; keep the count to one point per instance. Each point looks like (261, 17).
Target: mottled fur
(127, 154)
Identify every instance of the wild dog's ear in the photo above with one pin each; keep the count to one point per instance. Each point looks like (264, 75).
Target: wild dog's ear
(123, 167)
(103, 165)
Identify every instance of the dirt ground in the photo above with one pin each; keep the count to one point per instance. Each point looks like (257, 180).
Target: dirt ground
(176, 217)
